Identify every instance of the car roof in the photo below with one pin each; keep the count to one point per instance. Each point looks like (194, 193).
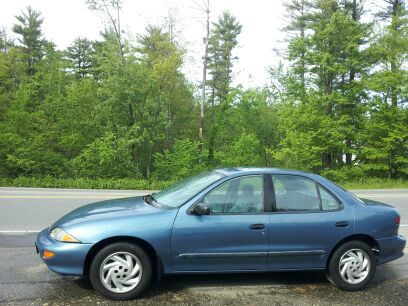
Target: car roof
(258, 170)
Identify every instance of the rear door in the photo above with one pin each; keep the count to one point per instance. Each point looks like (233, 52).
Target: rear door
(307, 222)
(234, 237)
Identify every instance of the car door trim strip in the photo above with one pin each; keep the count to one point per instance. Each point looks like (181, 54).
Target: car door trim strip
(251, 254)
(297, 253)
(220, 255)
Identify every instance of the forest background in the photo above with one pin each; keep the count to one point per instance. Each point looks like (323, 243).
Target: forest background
(121, 113)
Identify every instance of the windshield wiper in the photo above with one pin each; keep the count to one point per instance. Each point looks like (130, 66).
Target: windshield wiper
(149, 199)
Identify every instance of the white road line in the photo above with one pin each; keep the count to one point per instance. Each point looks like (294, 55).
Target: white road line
(70, 192)
(404, 225)
(62, 197)
(20, 232)
(382, 196)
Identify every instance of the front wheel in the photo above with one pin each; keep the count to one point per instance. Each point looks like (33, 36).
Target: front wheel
(352, 266)
(121, 271)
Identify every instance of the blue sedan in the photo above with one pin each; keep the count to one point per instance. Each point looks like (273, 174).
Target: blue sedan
(226, 220)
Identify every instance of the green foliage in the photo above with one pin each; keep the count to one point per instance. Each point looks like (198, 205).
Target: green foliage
(108, 156)
(385, 153)
(141, 184)
(85, 183)
(222, 41)
(117, 113)
(183, 160)
(245, 151)
(29, 29)
(80, 55)
(374, 183)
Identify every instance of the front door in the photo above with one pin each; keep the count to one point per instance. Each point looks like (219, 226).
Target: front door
(233, 237)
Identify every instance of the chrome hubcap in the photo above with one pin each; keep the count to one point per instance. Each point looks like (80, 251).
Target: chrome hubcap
(354, 266)
(120, 272)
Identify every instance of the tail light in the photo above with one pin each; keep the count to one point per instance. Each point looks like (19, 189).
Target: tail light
(398, 220)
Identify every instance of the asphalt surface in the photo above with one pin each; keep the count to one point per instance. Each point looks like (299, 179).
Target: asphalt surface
(25, 280)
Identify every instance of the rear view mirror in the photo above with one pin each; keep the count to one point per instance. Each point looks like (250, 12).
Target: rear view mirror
(201, 209)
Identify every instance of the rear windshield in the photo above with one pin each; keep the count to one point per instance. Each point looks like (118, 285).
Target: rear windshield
(348, 192)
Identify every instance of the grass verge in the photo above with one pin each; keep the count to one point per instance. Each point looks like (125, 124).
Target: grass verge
(375, 183)
(84, 183)
(141, 184)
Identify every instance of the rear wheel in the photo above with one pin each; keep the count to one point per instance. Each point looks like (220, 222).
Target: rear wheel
(121, 271)
(352, 266)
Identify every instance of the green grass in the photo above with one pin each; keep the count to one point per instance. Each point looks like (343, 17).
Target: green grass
(84, 183)
(141, 184)
(374, 183)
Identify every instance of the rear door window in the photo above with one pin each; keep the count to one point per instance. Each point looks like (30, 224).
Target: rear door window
(297, 193)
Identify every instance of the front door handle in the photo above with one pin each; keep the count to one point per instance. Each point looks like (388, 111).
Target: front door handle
(257, 226)
(342, 224)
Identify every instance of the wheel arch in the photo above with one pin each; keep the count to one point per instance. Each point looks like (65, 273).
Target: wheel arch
(146, 246)
(359, 237)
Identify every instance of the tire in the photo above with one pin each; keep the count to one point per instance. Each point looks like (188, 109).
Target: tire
(121, 271)
(352, 266)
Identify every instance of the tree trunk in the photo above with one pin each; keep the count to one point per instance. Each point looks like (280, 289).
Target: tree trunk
(201, 131)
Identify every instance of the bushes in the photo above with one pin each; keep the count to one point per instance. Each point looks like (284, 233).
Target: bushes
(107, 157)
(345, 174)
(245, 151)
(183, 160)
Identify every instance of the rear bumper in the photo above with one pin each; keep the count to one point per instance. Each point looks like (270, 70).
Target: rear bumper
(391, 248)
(69, 258)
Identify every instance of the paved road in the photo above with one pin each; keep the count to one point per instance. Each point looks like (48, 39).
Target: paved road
(24, 279)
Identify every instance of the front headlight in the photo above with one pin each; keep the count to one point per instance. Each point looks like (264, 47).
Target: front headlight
(61, 235)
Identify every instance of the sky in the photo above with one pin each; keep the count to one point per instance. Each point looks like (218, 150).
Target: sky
(262, 22)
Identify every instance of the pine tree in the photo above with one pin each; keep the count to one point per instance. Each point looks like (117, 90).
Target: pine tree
(79, 54)
(29, 29)
(357, 64)
(222, 41)
(299, 14)
(390, 52)
(386, 133)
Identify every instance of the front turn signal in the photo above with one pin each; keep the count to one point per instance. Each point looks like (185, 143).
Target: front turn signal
(48, 254)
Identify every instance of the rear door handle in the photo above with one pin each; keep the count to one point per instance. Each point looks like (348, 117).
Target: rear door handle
(257, 226)
(342, 224)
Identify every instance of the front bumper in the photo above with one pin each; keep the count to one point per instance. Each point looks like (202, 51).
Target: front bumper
(69, 258)
(391, 248)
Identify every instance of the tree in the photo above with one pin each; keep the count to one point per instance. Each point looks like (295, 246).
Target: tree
(222, 41)
(183, 160)
(389, 53)
(386, 133)
(111, 10)
(245, 151)
(29, 28)
(108, 156)
(206, 10)
(5, 42)
(79, 54)
(358, 63)
(167, 89)
(299, 13)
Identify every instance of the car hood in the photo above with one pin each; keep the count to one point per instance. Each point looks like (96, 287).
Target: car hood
(106, 210)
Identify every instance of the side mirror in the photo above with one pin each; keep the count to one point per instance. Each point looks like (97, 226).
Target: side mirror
(201, 209)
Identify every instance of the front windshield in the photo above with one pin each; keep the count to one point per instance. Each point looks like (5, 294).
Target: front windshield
(183, 191)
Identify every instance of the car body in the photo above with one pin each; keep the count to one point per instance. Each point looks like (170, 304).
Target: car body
(233, 220)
